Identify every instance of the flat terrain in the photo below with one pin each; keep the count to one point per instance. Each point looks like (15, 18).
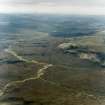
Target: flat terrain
(40, 73)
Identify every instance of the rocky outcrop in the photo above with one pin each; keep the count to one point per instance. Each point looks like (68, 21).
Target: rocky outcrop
(67, 46)
(83, 52)
(89, 56)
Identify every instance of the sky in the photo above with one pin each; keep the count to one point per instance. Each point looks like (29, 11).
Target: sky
(53, 6)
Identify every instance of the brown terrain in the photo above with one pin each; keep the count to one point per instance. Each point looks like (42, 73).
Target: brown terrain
(54, 72)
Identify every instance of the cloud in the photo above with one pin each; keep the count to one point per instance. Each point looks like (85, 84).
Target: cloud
(54, 6)
(72, 2)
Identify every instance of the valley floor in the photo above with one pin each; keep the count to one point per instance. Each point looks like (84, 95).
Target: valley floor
(42, 73)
